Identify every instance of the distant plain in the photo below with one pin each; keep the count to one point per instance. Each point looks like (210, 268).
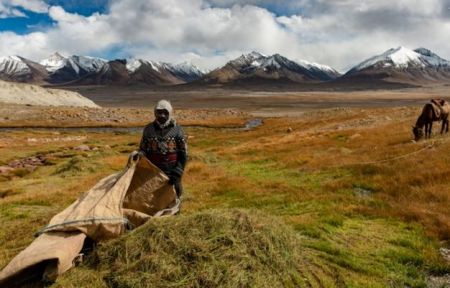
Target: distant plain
(260, 100)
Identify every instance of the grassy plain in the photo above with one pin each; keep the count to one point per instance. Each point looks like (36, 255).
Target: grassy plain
(368, 207)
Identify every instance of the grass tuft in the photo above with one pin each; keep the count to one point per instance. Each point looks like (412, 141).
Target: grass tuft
(73, 165)
(20, 172)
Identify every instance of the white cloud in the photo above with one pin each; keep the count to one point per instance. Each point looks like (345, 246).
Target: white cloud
(77, 34)
(194, 27)
(59, 15)
(9, 8)
(7, 12)
(339, 33)
(32, 45)
(37, 6)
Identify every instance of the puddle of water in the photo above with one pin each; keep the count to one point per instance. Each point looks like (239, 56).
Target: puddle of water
(253, 123)
(361, 192)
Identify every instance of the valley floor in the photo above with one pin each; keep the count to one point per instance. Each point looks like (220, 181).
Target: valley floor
(369, 205)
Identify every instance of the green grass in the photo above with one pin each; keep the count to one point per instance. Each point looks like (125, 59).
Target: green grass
(312, 210)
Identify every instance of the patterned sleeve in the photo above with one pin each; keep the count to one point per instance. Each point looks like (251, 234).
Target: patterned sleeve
(181, 152)
(181, 140)
(143, 146)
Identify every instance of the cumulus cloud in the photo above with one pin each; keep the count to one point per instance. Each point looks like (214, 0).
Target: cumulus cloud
(348, 31)
(9, 8)
(77, 34)
(37, 6)
(8, 11)
(32, 45)
(339, 33)
(288, 7)
(192, 26)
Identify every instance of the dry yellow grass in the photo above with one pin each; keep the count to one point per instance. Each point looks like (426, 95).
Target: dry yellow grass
(370, 210)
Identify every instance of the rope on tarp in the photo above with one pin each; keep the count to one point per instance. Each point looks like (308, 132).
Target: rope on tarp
(125, 221)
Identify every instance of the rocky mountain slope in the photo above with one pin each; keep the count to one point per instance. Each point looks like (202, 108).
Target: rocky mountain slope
(19, 69)
(402, 65)
(397, 66)
(256, 66)
(86, 70)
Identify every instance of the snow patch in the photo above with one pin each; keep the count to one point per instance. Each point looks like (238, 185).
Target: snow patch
(77, 63)
(318, 66)
(54, 62)
(155, 65)
(187, 68)
(402, 57)
(133, 64)
(13, 65)
(247, 59)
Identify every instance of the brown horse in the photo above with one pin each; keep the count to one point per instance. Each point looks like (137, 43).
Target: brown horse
(437, 110)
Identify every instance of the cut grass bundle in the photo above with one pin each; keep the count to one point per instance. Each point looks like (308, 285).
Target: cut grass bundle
(215, 248)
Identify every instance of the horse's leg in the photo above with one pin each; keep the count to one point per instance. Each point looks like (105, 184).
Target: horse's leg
(444, 122)
(446, 126)
(430, 126)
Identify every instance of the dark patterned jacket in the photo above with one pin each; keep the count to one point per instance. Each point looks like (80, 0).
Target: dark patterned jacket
(165, 147)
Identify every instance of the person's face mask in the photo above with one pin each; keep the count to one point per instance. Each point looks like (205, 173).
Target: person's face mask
(162, 115)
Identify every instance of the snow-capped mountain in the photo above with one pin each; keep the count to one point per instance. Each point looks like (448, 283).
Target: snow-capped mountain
(163, 73)
(403, 65)
(326, 72)
(431, 58)
(402, 58)
(135, 64)
(64, 69)
(275, 67)
(247, 61)
(85, 70)
(18, 69)
(151, 72)
(77, 63)
(13, 65)
(399, 65)
(186, 71)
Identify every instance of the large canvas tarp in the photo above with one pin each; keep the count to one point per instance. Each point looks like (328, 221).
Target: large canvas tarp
(116, 203)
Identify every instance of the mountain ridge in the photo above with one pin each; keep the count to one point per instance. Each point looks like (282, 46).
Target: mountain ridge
(255, 65)
(398, 65)
(402, 65)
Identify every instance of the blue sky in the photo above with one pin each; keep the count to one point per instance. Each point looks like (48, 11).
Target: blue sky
(338, 33)
(40, 21)
(23, 25)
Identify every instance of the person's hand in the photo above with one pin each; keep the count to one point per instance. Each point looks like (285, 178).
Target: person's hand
(173, 179)
(135, 154)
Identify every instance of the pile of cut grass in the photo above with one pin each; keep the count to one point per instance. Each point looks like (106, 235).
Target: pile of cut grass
(214, 248)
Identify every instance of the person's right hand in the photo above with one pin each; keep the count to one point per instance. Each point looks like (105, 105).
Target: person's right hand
(173, 179)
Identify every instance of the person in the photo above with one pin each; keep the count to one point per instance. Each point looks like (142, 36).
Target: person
(164, 144)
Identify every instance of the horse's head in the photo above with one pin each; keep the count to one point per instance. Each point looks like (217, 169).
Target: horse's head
(418, 133)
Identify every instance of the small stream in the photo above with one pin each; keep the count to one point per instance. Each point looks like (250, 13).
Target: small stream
(249, 125)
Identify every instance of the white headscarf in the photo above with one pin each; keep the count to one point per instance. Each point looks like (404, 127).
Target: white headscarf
(164, 104)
